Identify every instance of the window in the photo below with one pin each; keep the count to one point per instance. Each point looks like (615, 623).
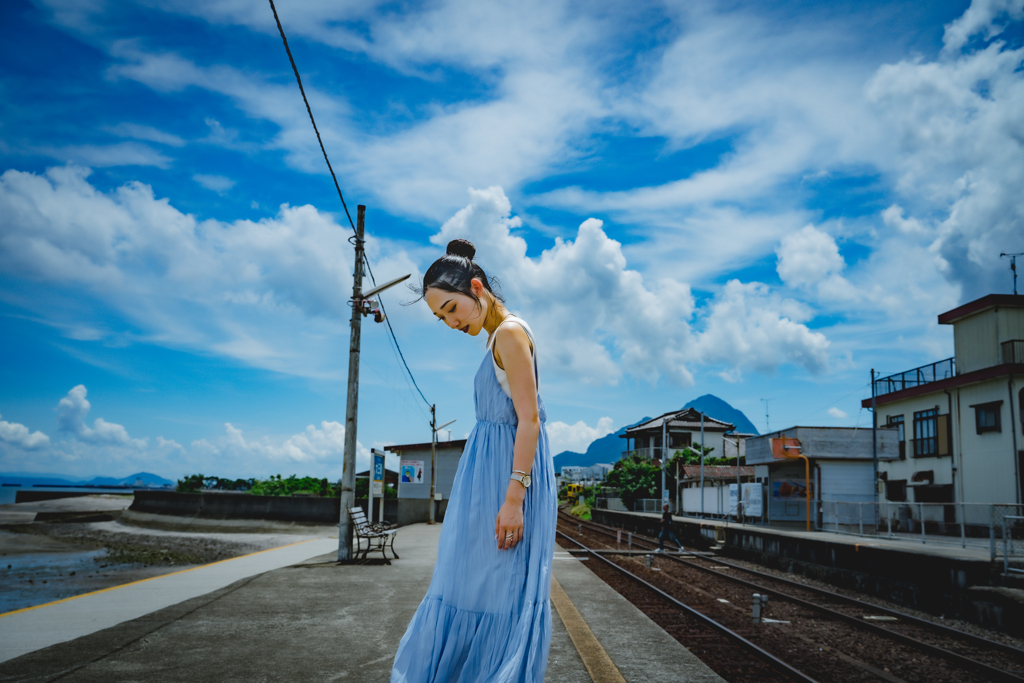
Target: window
(898, 421)
(926, 433)
(986, 417)
(680, 440)
(896, 490)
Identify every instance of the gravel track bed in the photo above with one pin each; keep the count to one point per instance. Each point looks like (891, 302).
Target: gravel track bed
(825, 648)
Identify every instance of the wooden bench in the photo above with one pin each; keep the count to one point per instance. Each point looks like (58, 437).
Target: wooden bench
(376, 535)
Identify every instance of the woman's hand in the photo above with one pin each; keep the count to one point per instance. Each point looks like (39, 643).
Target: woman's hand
(508, 526)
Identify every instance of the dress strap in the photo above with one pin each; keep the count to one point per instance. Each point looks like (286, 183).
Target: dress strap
(499, 372)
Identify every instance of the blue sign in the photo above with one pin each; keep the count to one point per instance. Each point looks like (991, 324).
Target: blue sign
(378, 467)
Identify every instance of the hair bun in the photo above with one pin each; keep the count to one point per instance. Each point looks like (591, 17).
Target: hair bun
(463, 248)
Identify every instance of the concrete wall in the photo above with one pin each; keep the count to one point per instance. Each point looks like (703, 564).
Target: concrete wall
(448, 456)
(834, 443)
(976, 341)
(276, 508)
(406, 511)
(238, 506)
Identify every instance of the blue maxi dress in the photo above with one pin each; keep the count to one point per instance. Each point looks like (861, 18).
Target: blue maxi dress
(486, 617)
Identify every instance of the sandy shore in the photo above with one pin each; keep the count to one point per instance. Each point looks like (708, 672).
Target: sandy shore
(42, 562)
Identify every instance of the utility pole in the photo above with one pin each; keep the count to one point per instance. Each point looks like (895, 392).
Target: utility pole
(874, 437)
(664, 459)
(702, 464)
(1013, 267)
(362, 305)
(433, 458)
(348, 468)
(434, 429)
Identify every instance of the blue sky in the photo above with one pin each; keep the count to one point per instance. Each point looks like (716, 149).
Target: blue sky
(759, 202)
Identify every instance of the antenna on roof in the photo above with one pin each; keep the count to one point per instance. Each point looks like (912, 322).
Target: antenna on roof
(767, 424)
(1013, 267)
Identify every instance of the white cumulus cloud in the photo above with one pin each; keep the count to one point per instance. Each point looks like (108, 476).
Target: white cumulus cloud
(18, 435)
(837, 413)
(71, 413)
(600, 319)
(576, 437)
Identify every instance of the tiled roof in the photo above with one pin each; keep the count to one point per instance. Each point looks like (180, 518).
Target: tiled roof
(683, 419)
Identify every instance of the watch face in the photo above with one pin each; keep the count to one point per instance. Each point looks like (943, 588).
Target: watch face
(527, 480)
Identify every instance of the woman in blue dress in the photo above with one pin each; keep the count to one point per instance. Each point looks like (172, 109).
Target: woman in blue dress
(486, 617)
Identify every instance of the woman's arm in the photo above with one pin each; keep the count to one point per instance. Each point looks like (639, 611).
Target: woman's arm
(513, 354)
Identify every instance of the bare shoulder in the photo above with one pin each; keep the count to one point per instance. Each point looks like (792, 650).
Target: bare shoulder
(511, 341)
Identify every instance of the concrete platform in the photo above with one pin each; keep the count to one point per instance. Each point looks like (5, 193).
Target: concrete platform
(289, 616)
(941, 578)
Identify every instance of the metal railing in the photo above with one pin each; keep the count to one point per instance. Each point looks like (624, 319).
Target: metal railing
(648, 453)
(974, 525)
(1013, 351)
(926, 374)
(1013, 544)
(652, 505)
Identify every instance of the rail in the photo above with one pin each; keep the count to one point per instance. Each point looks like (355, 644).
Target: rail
(926, 374)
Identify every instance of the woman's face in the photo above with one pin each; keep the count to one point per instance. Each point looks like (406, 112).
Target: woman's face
(458, 311)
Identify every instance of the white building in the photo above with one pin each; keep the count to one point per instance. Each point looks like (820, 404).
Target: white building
(960, 420)
(573, 473)
(839, 469)
(682, 429)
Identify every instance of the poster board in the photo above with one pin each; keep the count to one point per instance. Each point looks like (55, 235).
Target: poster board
(412, 472)
(753, 500)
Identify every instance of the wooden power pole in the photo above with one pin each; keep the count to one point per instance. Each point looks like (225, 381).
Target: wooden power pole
(348, 468)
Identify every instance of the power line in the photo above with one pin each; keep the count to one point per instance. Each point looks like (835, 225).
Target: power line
(302, 90)
(312, 120)
(380, 301)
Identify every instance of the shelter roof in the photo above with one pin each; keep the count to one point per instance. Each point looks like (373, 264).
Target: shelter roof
(398, 448)
(716, 471)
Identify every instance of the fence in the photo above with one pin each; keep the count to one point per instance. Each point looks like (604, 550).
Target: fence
(965, 524)
(1013, 544)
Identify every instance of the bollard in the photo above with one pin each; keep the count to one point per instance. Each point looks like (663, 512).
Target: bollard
(631, 541)
(756, 608)
(618, 539)
(579, 529)
(648, 559)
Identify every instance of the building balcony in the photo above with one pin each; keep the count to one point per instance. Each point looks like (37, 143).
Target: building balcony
(1013, 351)
(926, 374)
(650, 453)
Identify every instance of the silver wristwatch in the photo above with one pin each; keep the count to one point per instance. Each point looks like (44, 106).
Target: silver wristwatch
(522, 477)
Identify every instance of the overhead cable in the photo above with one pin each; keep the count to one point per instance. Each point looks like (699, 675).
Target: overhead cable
(312, 120)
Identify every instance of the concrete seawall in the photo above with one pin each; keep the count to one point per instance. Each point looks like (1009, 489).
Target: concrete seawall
(298, 510)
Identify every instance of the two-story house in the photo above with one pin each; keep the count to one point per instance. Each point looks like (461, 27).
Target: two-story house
(680, 429)
(960, 420)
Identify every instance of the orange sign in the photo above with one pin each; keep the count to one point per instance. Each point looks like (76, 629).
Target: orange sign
(785, 448)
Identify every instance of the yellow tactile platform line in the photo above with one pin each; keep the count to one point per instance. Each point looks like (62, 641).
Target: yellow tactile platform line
(599, 665)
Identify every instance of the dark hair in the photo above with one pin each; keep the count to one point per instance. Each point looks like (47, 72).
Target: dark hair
(454, 271)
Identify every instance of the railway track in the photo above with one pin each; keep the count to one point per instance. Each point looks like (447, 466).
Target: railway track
(817, 633)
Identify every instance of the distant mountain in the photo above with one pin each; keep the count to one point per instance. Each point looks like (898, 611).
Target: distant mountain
(606, 449)
(30, 478)
(145, 478)
(712, 406)
(609, 448)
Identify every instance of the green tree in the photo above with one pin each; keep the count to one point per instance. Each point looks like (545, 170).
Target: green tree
(635, 478)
